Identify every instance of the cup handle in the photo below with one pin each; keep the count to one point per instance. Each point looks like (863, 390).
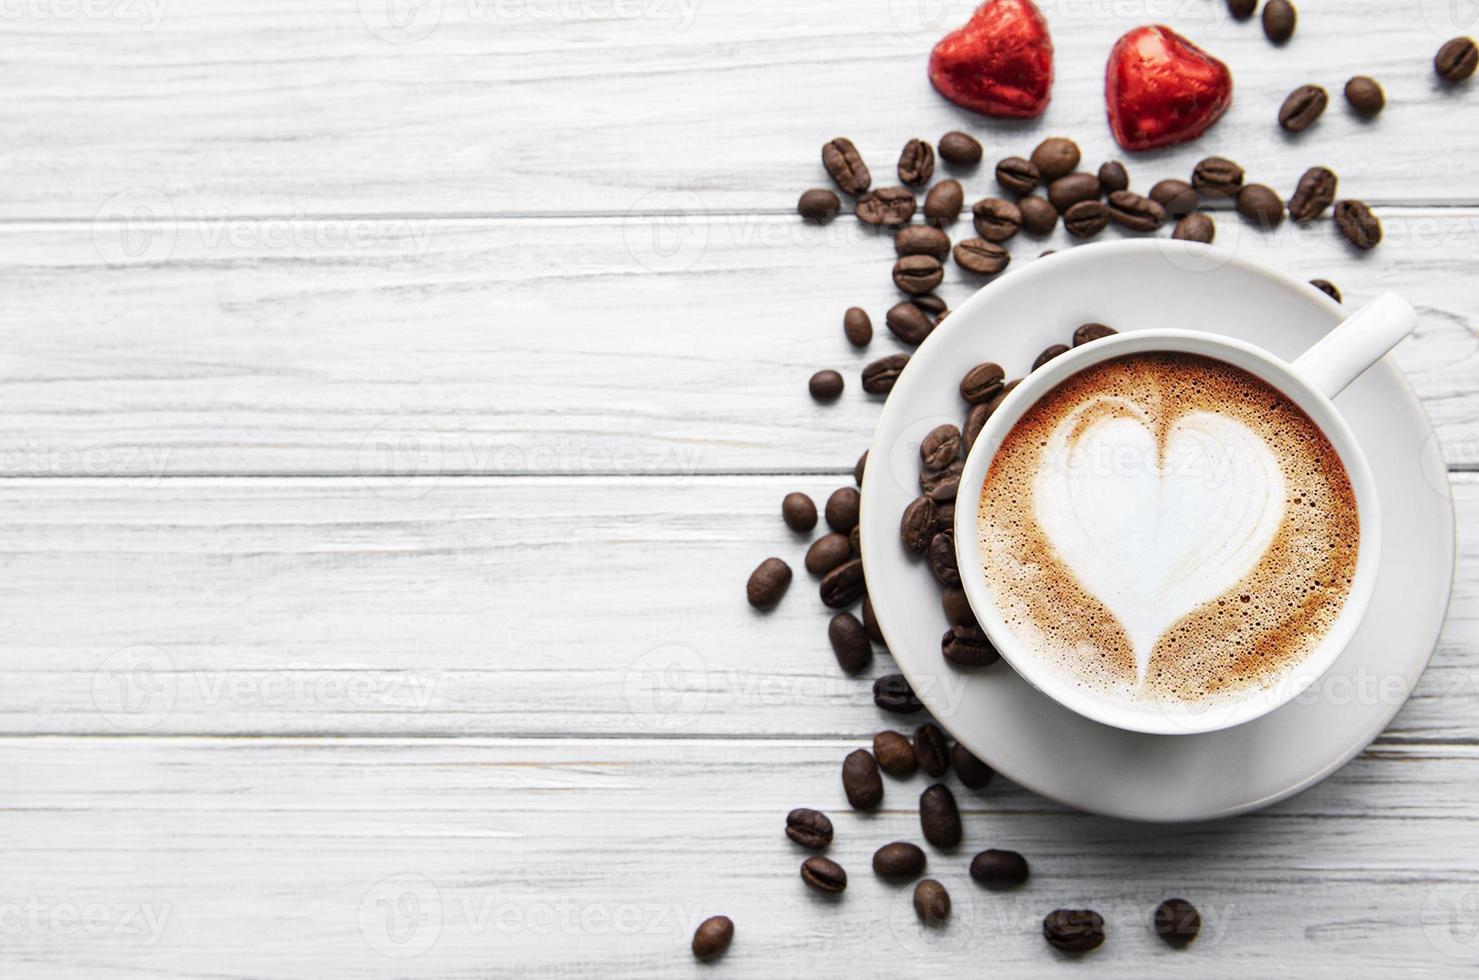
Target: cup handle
(1356, 343)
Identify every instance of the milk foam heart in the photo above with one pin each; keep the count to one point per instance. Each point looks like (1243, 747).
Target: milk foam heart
(1155, 531)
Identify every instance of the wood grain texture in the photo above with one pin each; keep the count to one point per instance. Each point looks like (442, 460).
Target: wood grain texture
(531, 607)
(475, 858)
(578, 347)
(609, 106)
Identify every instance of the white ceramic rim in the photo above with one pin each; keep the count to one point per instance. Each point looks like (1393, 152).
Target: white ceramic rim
(1168, 719)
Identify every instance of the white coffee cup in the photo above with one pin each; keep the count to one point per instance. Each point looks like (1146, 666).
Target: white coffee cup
(1310, 382)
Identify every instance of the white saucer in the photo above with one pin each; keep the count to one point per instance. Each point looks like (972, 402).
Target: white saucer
(1055, 752)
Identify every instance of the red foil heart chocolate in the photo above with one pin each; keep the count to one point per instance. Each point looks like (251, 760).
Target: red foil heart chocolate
(1162, 89)
(1000, 63)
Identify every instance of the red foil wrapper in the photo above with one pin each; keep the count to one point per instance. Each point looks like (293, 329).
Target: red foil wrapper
(1162, 90)
(1000, 63)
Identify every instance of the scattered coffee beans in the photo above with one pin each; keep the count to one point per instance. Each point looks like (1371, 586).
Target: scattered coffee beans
(1241, 9)
(1456, 60)
(843, 585)
(982, 382)
(1091, 331)
(931, 902)
(892, 692)
(768, 582)
(860, 780)
(825, 386)
(941, 485)
(1177, 921)
(943, 202)
(975, 421)
(899, 860)
(1356, 222)
(942, 559)
(870, 622)
(1328, 288)
(917, 526)
(1055, 157)
(849, 642)
(1278, 20)
(1217, 176)
(972, 771)
(1048, 354)
(1070, 189)
(999, 869)
(1365, 96)
(968, 646)
(855, 538)
(857, 327)
(1113, 176)
(918, 274)
(981, 257)
(879, 377)
(1018, 175)
(921, 240)
(909, 322)
(932, 749)
(1039, 216)
(960, 149)
(888, 206)
(940, 447)
(1302, 107)
(845, 166)
(916, 163)
(895, 754)
(1314, 193)
(712, 937)
(859, 467)
(1076, 930)
(799, 513)
(827, 552)
(818, 204)
(939, 817)
(809, 828)
(957, 608)
(1259, 203)
(1177, 196)
(1086, 219)
(996, 219)
(824, 875)
(1197, 227)
(1135, 212)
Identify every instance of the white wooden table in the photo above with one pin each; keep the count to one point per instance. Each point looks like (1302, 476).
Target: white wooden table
(394, 401)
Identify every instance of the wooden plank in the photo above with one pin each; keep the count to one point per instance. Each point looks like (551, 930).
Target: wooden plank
(548, 607)
(417, 347)
(468, 858)
(605, 106)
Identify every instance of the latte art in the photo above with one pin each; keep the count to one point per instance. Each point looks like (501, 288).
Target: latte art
(1168, 526)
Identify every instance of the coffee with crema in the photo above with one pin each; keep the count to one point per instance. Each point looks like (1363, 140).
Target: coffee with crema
(1168, 527)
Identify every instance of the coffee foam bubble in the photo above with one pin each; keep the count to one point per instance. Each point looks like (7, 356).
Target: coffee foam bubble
(1168, 527)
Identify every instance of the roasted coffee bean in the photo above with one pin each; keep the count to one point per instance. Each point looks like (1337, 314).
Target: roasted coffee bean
(960, 149)
(939, 817)
(957, 608)
(931, 902)
(712, 937)
(942, 559)
(809, 828)
(996, 399)
(1069, 190)
(972, 771)
(981, 257)
(892, 692)
(999, 869)
(870, 622)
(931, 304)
(916, 274)
(908, 322)
(1365, 96)
(860, 780)
(1039, 216)
(1196, 227)
(1217, 176)
(1278, 20)
(982, 382)
(823, 874)
(975, 421)
(916, 163)
(849, 642)
(857, 326)
(1074, 930)
(1259, 203)
(899, 860)
(826, 553)
(1018, 175)
(888, 206)
(1055, 157)
(1177, 196)
(799, 512)
(968, 646)
(1091, 331)
(921, 240)
(1135, 211)
(1314, 193)
(940, 447)
(1113, 176)
(1456, 60)
(996, 219)
(932, 749)
(859, 467)
(1328, 288)
(1356, 222)
(1048, 354)
(1177, 921)
(943, 202)
(879, 377)
(916, 527)
(1241, 9)
(768, 582)
(843, 585)
(825, 386)
(895, 754)
(1086, 219)
(855, 538)
(941, 485)
(818, 204)
(944, 514)
(845, 166)
(1302, 107)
